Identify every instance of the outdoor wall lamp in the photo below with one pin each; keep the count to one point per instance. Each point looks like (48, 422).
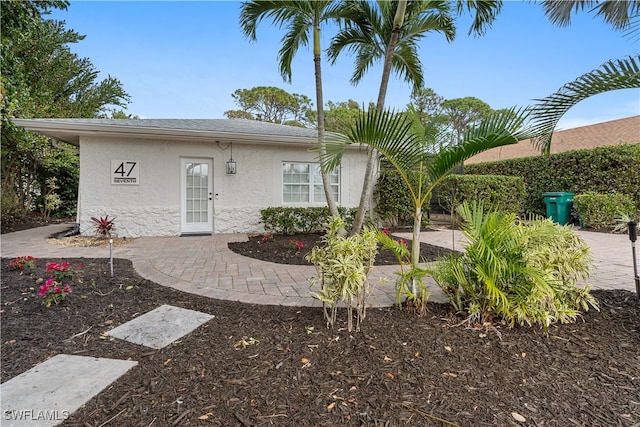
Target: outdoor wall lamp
(231, 164)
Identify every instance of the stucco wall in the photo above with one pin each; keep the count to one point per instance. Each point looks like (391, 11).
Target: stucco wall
(152, 208)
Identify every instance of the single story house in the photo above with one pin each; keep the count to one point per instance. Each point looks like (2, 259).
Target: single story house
(168, 177)
(613, 132)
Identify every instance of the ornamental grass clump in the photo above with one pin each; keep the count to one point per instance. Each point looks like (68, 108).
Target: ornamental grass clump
(522, 272)
(343, 264)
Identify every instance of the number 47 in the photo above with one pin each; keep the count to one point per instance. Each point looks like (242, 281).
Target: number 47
(121, 169)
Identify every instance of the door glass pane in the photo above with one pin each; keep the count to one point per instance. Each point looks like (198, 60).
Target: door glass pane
(197, 193)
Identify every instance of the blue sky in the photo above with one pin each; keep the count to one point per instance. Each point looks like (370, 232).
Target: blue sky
(185, 59)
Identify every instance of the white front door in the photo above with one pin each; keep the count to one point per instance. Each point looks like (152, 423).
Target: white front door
(196, 196)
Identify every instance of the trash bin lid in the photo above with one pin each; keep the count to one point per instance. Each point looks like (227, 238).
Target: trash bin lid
(558, 194)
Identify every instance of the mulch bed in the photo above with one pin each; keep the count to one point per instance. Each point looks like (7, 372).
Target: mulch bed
(266, 365)
(292, 249)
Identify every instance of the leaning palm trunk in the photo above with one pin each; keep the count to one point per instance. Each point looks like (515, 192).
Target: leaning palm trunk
(372, 162)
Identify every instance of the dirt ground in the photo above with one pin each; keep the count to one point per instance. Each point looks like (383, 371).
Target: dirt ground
(271, 365)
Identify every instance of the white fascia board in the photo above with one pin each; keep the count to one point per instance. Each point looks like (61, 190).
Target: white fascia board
(71, 132)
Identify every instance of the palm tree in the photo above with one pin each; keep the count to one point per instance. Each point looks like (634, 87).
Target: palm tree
(300, 18)
(390, 31)
(394, 137)
(373, 33)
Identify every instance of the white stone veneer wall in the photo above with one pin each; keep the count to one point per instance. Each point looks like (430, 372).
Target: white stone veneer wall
(152, 208)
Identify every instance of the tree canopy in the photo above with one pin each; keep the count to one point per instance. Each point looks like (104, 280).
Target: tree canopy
(41, 77)
(272, 104)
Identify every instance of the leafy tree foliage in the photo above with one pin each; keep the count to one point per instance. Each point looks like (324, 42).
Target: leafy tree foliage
(41, 77)
(272, 104)
(464, 113)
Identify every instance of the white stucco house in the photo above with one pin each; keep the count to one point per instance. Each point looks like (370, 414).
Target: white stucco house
(168, 177)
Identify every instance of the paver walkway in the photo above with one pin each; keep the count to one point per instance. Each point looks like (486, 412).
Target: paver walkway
(205, 266)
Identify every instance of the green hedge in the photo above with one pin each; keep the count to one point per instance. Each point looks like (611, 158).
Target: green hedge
(611, 169)
(285, 220)
(504, 194)
(393, 202)
(600, 211)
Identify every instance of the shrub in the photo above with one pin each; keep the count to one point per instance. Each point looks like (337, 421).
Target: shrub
(342, 264)
(600, 211)
(288, 220)
(611, 169)
(502, 193)
(393, 203)
(522, 272)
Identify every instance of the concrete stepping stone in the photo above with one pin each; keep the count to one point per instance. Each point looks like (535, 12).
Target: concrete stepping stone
(49, 393)
(160, 327)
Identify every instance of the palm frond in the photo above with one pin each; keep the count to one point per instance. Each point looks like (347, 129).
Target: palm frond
(612, 75)
(502, 127)
(486, 12)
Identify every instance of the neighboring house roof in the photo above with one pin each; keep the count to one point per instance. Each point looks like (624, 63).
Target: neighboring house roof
(614, 132)
(236, 130)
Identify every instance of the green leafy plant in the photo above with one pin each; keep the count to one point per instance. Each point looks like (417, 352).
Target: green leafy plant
(610, 169)
(22, 262)
(286, 220)
(599, 211)
(103, 225)
(343, 264)
(522, 272)
(622, 221)
(502, 193)
(408, 276)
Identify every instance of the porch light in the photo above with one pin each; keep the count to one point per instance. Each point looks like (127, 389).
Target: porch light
(231, 164)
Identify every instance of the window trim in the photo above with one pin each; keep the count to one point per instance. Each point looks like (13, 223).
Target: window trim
(313, 167)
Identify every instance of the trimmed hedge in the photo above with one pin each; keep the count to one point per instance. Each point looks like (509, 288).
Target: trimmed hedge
(611, 169)
(285, 220)
(600, 211)
(504, 194)
(393, 202)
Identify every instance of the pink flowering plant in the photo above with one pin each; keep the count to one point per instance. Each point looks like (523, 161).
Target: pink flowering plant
(296, 244)
(22, 262)
(54, 290)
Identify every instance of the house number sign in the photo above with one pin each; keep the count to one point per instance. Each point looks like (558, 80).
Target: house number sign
(125, 172)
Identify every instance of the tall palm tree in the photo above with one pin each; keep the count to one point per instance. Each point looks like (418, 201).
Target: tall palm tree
(372, 31)
(390, 31)
(300, 17)
(394, 136)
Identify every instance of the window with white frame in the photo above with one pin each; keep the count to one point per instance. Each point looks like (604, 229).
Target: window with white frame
(302, 183)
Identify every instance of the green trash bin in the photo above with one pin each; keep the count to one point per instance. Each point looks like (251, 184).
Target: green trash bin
(559, 206)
